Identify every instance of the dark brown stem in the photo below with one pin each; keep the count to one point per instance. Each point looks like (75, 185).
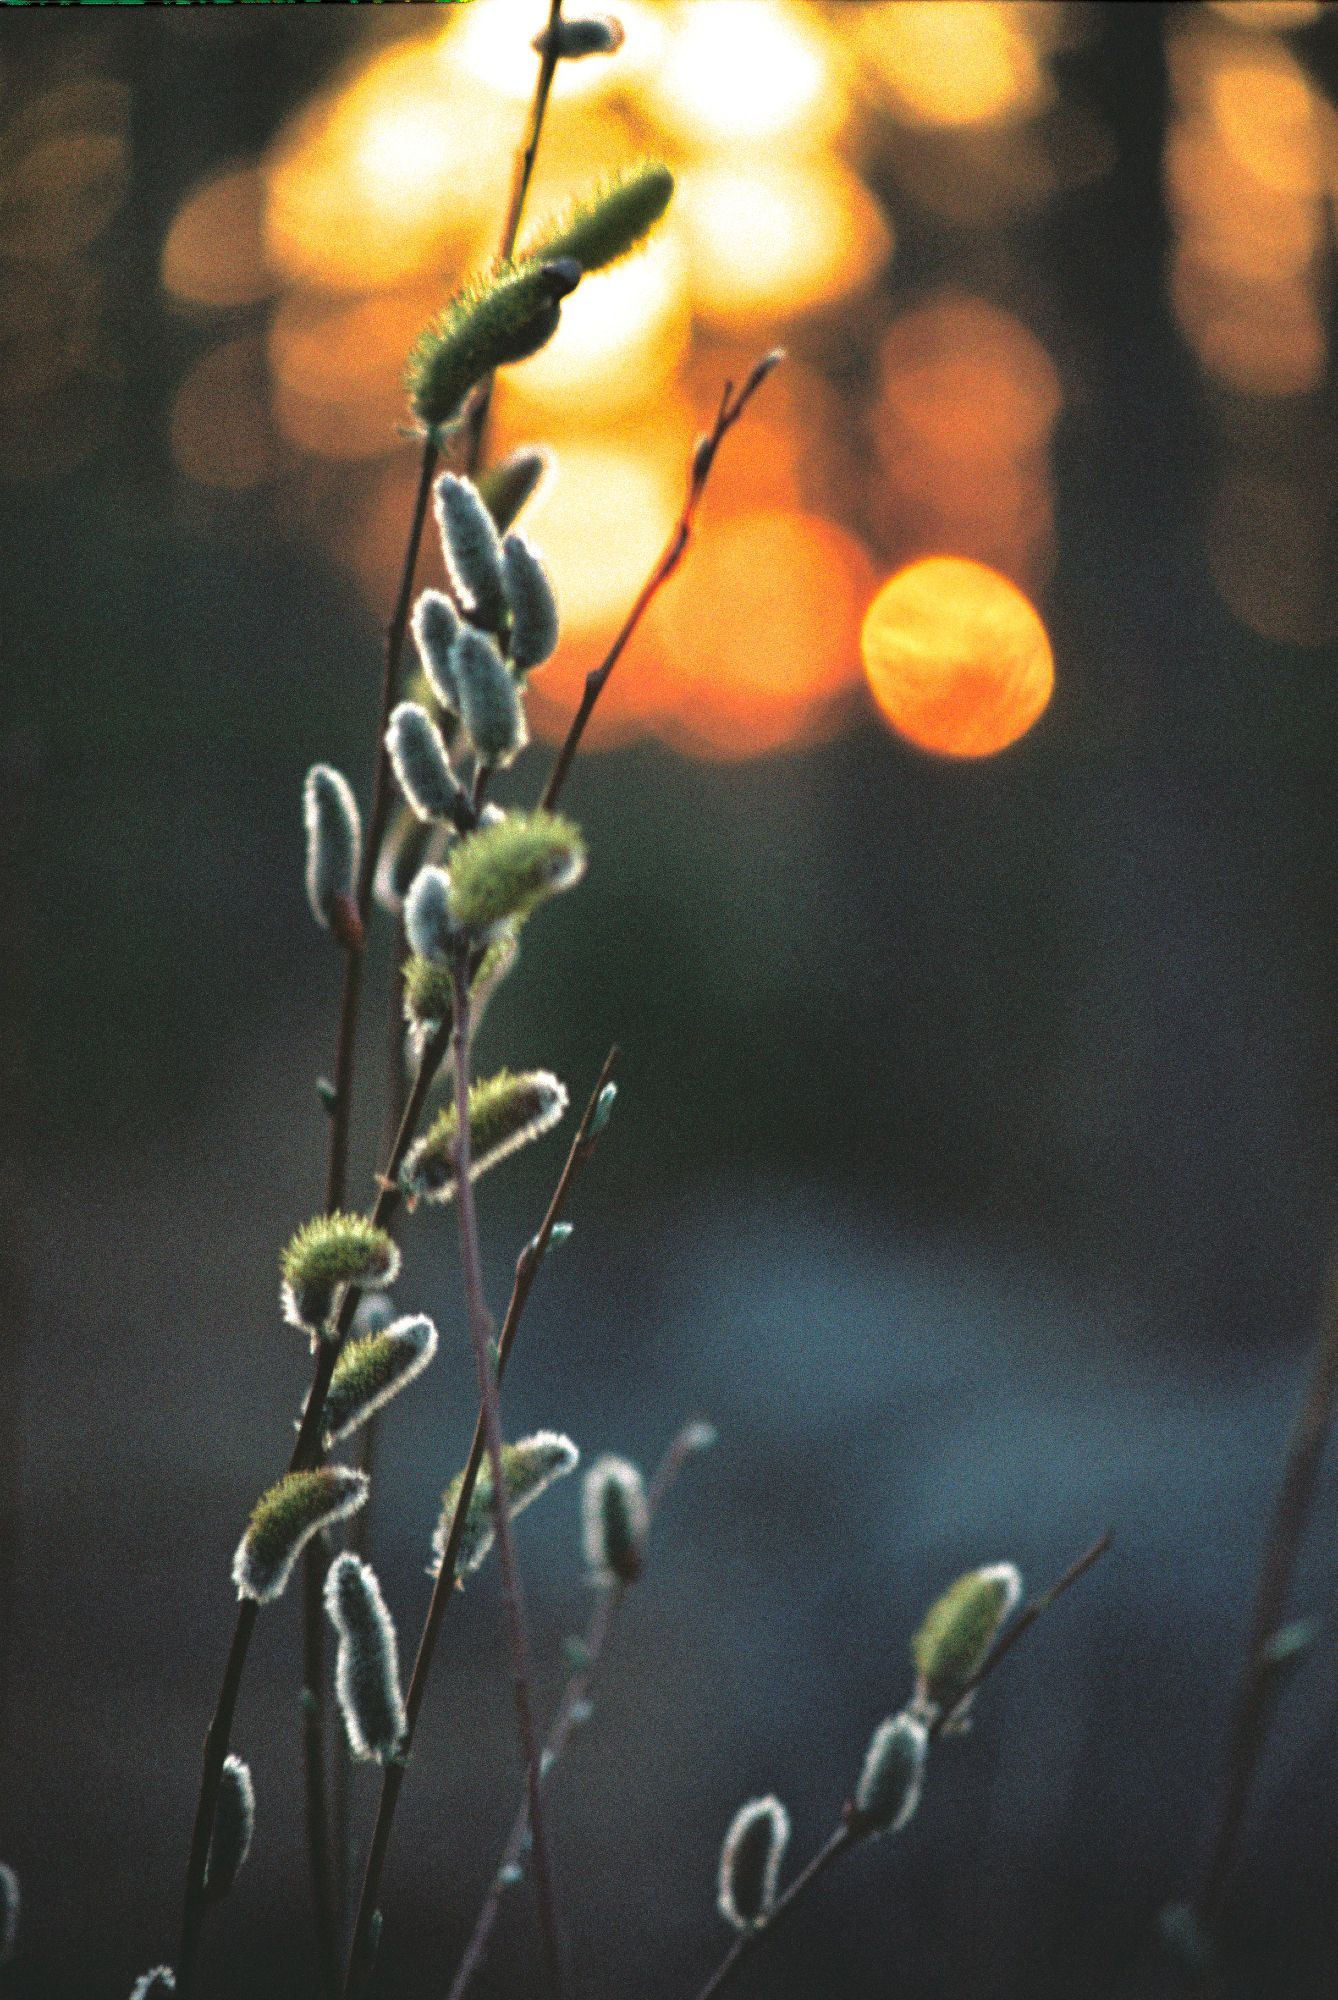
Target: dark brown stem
(844, 1838)
(574, 1696)
(1291, 1511)
(731, 409)
(527, 1267)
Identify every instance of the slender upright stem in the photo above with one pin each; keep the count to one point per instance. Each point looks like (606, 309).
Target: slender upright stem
(392, 1780)
(1291, 1511)
(843, 1839)
(574, 1697)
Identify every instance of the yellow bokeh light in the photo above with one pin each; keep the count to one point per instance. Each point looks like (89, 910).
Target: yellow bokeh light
(954, 62)
(746, 72)
(491, 44)
(1268, 16)
(215, 253)
(768, 241)
(601, 521)
(623, 336)
(957, 658)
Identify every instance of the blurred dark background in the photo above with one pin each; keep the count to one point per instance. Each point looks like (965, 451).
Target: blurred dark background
(971, 1172)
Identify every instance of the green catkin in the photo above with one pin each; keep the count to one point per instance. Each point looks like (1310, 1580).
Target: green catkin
(234, 1824)
(428, 923)
(750, 1862)
(435, 625)
(534, 614)
(9, 1913)
(334, 840)
(506, 1112)
(502, 317)
(423, 767)
(610, 221)
(367, 1675)
(614, 1521)
(472, 549)
(428, 992)
(284, 1521)
(529, 1468)
(958, 1630)
(595, 35)
(889, 1785)
(155, 1985)
(328, 1253)
(510, 484)
(373, 1367)
(506, 869)
(489, 701)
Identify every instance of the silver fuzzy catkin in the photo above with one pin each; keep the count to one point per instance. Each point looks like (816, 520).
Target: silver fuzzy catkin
(155, 1985)
(890, 1782)
(367, 1674)
(472, 548)
(435, 625)
(750, 1862)
(423, 768)
(334, 840)
(428, 923)
(614, 1520)
(9, 1913)
(234, 1824)
(534, 612)
(489, 703)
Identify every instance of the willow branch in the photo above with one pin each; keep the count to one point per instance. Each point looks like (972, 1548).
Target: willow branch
(569, 1710)
(843, 1839)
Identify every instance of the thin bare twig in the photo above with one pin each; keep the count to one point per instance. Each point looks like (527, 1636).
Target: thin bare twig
(569, 1710)
(527, 1269)
(731, 409)
(843, 1839)
(1291, 1512)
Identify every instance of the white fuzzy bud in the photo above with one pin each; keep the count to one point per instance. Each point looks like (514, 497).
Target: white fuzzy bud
(472, 549)
(234, 1824)
(428, 923)
(334, 841)
(435, 625)
(534, 613)
(488, 699)
(423, 768)
(889, 1784)
(614, 1519)
(155, 1985)
(750, 1862)
(367, 1674)
(9, 1913)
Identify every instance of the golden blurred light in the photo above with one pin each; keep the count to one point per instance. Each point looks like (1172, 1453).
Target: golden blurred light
(1265, 113)
(623, 337)
(746, 72)
(220, 431)
(1268, 16)
(956, 656)
(215, 249)
(773, 239)
(601, 520)
(491, 44)
(954, 62)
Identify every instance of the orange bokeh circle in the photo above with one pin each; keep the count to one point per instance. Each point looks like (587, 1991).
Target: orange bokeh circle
(957, 657)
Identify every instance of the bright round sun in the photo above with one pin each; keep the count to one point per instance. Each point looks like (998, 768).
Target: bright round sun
(957, 657)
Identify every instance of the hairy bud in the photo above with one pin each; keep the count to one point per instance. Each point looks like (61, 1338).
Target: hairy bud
(489, 702)
(423, 768)
(615, 1519)
(428, 923)
(234, 1824)
(9, 1913)
(507, 486)
(373, 1367)
(958, 1630)
(507, 869)
(502, 317)
(284, 1521)
(529, 1468)
(610, 221)
(334, 841)
(435, 625)
(328, 1253)
(750, 1862)
(473, 552)
(505, 1113)
(367, 1673)
(155, 1985)
(596, 35)
(534, 613)
(889, 1783)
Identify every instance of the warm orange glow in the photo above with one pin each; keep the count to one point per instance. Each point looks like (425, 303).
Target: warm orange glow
(956, 656)
(1268, 16)
(601, 521)
(215, 252)
(491, 44)
(623, 337)
(746, 72)
(220, 429)
(1266, 117)
(954, 62)
(771, 239)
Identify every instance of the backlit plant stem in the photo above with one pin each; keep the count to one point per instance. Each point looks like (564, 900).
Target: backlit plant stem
(843, 1839)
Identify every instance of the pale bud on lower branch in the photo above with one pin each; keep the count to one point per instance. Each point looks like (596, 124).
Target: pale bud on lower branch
(428, 989)
(328, 1254)
(533, 633)
(889, 1783)
(423, 768)
(334, 844)
(614, 1520)
(489, 700)
(473, 551)
(436, 625)
(284, 1521)
(428, 923)
(750, 1862)
(234, 1824)
(155, 1985)
(367, 1676)
(954, 1640)
(529, 1468)
(505, 1112)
